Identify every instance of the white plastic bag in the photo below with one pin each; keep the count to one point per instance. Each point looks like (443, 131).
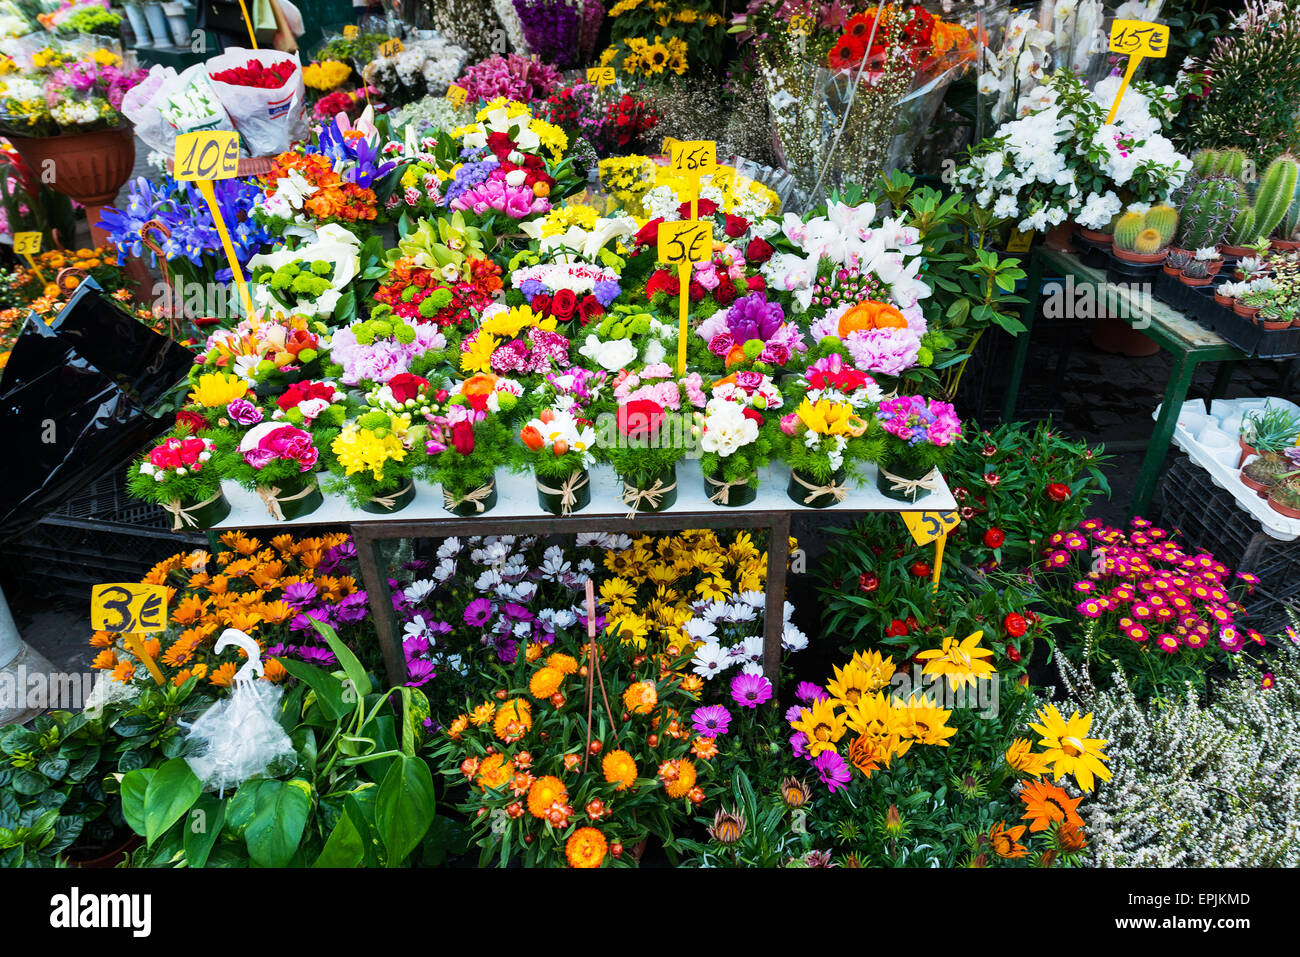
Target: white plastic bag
(239, 737)
(143, 107)
(268, 120)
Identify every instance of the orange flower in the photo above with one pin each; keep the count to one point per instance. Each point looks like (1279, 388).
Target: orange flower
(189, 610)
(124, 672)
(585, 848)
(245, 621)
(704, 748)
(867, 754)
(103, 639)
(276, 612)
(640, 697)
(620, 769)
(678, 777)
(564, 664)
(224, 675)
(494, 772)
(267, 575)
(239, 542)
(219, 585)
(1045, 803)
(458, 726)
(868, 315)
(513, 720)
(545, 682)
(275, 672)
(545, 792)
(1069, 838)
(1005, 840)
(105, 660)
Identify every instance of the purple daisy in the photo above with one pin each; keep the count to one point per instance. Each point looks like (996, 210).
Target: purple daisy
(832, 770)
(799, 744)
(749, 691)
(420, 670)
(353, 608)
(807, 692)
(711, 722)
(319, 656)
(300, 593)
(478, 612)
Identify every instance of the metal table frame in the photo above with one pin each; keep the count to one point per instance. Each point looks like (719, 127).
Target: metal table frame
(1186, 340)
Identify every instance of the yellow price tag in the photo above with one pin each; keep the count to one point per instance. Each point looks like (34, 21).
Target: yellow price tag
(1139, 38)
(1019, 241)
(350, 31)
(391, 47)
(121, 607)
(800, 25)
(28, 243)
(693, 158)
(456, 95)
(685, 242)
(928, 526)
(601, 76)
(209, 155)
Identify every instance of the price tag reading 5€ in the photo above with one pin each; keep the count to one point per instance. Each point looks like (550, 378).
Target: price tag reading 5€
(686, 241)
(209, 155)
(927, 526)
(27, 244)
(125, 608)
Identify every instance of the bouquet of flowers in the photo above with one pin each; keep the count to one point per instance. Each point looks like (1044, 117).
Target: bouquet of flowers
(318, 407)
(627, 336)
(611, 122)
(264, 354)
(303, 191)
(377, 455)
(563, 292)
(751, 332)
(178, 473)
(375, 350)
(67, 94)
(738, 435)
(277, 460)
(919, 435)
(514, 342)
(514, 77)
(314, 279)
(562, 450)
(466, 445)
(830, 431)
(421, 67)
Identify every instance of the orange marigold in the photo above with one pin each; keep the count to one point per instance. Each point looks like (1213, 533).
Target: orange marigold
(640, 697)
(546, 791)
(620, 769)
(585, 848)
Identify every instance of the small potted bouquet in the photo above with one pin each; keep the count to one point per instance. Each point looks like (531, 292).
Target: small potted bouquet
(465, 446)
(919, 435)
(738, 436)
(651, 429)
(318, 407)
(562, 450)
(177, 475)
(278, 461)
(374, 455)
(750, 331)
(830, 431)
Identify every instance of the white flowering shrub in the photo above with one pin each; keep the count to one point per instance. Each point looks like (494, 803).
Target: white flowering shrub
(1197, 783)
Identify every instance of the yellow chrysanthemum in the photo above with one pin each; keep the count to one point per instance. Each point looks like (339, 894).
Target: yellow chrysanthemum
(217, 389)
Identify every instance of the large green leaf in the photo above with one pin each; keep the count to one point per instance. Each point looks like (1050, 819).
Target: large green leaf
(279, 817)
(202, 829)
(134, 786)
(329, 692)
(344, 848)
(351, 664)
(172, 792)
(404, 807)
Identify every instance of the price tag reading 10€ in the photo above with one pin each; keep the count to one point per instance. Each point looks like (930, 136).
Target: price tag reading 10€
(207, 156)
(684, 242)
(928, 526)
(128, 608)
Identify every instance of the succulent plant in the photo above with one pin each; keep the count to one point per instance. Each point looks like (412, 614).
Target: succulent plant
(1267, 469)
(1178, 258)
(1197, 269)
(1208, 211)
(1270, 429)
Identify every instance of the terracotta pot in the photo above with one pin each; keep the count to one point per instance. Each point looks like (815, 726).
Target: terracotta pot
(1247, 450)
(1171, 271)
(1236, 252)
(1058, 238)
(1259, 488)
(1093, 236)
(1273, 325)
(1225, 301)
(1281, 509)
(88, 167)
(1187, 280)
(1115, 336)
(1214, 265)
(1243, 310)
(1284, 245)
(1140, 258)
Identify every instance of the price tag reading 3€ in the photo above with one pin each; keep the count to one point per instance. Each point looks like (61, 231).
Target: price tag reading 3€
(124, 608)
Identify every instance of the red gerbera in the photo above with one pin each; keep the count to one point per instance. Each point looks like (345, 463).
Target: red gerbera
(846, 54)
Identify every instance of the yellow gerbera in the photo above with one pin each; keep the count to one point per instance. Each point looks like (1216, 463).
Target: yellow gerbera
(962, 662)
(217, 389)
(1069, 750)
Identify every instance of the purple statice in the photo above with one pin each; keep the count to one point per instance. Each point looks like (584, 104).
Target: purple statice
(478, 612)
(749, 691)
(469, 176)
(606, 291)
(711, 722)
(807, 692)
(832, 770)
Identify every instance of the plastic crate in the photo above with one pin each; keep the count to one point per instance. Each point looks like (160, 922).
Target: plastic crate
(1206, 517)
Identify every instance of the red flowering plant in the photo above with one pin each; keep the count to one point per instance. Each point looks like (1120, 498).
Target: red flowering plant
(319, 407)
(613, 124)
(442, 295)
(256, 74)
(1147, 605)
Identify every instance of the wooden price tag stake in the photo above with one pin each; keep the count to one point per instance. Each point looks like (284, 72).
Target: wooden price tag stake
(593, 674)
(684, 243)
(202, 158)
(1138, 39)
(130, 610)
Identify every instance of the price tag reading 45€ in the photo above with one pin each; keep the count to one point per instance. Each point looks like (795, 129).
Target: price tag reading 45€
(1139, 37)
(686, 241)
(693, 157)
(125, 608)
(209, 155)
(928, 526)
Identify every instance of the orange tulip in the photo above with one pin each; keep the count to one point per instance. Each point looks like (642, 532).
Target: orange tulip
(531, 438)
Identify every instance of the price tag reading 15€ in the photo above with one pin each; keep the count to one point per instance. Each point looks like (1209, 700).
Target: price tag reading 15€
(1139, 37)
(124, 608)
(928, 526)
(693, 157)
(209, 155)
(684, 242)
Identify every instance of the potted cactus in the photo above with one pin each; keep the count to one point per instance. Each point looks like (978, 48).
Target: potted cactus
(1141, 240)
(1269, 429)
(1175, 261)
(1256, 220)
(1262, 473)
(1207, 212)
(1284, 497)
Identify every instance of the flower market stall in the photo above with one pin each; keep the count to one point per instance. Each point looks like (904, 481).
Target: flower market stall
(562, 433)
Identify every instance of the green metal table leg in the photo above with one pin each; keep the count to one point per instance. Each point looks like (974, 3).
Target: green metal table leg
(1222, 377)
(1028, 312)
(1175, 394)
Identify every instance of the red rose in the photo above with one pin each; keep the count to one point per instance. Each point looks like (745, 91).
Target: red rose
(563, 303)
(994, 538)
(541, 304)
(640, 417)
(405, 386)
(707, 208)
(897, 628)
(1015, 625)
(759, 250)
(192, 420)
(756, 283)
(696, 291)
(735, 225)
(1058, 492)
(661, 280)
(867, 582)
(725, 292)
(462, 437)
(648, 235)
(589, 308)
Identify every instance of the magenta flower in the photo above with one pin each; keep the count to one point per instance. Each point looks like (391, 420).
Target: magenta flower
(749, 691)
(711, 722)
(832, 770)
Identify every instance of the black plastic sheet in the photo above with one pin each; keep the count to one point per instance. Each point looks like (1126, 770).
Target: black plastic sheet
(74, 403)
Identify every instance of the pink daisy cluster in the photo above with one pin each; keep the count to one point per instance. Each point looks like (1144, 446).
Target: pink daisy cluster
(1148, 587)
